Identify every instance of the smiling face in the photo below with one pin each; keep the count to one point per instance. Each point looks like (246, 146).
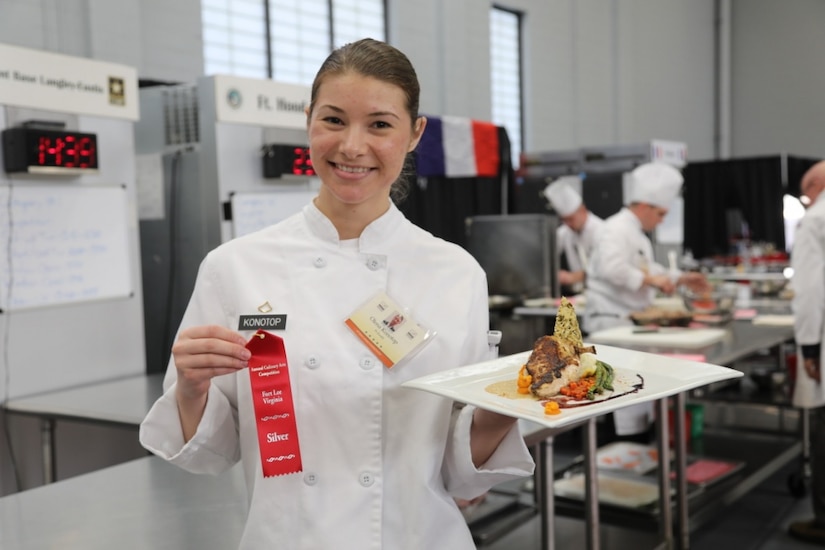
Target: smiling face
(360, 132)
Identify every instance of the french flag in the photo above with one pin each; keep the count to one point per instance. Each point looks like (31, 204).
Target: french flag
(458, 147)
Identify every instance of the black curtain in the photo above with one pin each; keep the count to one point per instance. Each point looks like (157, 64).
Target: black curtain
(441, 205)
(797, 166)
(714, 189)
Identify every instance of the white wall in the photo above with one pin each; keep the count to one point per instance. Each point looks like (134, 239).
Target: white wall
(596, 73)
(162, 39)
(778, 77)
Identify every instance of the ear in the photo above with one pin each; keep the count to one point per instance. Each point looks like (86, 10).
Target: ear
(418, 131)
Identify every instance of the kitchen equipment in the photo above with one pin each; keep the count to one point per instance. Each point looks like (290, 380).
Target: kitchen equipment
(661, 317)
(518, 253)
(718, 301)
(769, 286)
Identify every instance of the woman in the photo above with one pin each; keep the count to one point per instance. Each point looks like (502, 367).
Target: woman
(380, 464)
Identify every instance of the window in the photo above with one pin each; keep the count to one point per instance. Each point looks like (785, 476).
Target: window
(286, 40)
(234, 37)
(356, 19)
(505, 72)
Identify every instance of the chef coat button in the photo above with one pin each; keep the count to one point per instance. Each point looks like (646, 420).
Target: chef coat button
(320, 262)
(373, 264)
(310, 478)
(367, 363)
(366, 479)
(312, 362)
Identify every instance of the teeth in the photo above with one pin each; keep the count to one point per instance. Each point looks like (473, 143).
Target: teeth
(352, 169)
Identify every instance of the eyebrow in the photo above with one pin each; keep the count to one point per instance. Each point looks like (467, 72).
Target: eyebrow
(373, 114)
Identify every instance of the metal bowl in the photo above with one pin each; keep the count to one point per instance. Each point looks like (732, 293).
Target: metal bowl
(661, 317)
(768, 287)
(718, 301)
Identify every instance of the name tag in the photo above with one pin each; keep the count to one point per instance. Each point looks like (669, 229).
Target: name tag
(388, 330)
(269, 322)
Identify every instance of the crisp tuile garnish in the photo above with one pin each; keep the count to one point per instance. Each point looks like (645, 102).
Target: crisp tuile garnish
(567, 324)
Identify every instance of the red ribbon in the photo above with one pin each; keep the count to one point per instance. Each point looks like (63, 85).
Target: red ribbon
(272, 401)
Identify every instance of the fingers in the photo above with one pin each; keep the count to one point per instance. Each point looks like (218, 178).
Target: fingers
(204, 352)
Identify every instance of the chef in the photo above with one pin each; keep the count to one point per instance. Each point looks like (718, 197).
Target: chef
(576, 234)
(336, 451)
(624, 277)
(808, 283)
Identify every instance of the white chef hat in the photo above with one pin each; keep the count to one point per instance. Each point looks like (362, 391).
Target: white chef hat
(655, 183)
(563, 196)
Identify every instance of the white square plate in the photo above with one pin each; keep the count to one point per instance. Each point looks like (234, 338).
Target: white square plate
(663, 376)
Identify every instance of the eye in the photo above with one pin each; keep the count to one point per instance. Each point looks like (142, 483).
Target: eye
(381, 124)
(332, 120)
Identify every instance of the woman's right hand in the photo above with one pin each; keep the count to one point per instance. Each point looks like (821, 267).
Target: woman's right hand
(202, 353)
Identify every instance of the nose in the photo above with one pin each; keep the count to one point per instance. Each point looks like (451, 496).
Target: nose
(353, 142)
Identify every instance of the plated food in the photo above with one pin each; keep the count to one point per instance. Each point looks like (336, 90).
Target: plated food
(561, 370)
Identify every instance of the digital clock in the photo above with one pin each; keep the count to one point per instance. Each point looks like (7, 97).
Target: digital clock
(286, 160)
(38, 150)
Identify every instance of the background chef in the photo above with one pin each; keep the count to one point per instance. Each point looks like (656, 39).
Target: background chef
(808, 263)
(576, 234)
(623, 276)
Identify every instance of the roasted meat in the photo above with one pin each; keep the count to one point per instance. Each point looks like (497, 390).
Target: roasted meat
(555, 362)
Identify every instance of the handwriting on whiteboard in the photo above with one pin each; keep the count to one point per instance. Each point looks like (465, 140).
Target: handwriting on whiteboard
(63, 244)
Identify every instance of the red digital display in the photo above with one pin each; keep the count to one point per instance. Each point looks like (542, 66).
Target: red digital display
(44, 150)
(286, 160)
(68, 151)
(301, 163)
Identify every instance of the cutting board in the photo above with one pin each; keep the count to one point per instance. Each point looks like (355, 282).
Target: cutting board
(774, 320)
(612, 490)
(665, 336)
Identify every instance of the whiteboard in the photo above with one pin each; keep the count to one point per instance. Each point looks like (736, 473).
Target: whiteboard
(254, 211)
(63, 244)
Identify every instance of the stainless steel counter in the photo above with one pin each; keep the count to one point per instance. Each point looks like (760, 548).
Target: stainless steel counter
(142, 504)
(742, 339)
(123, 401)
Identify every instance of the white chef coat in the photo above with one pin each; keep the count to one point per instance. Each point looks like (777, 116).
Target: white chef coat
(615, 288)
(575, 244)
(808, 283)
(621, 258)
(381, 463)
